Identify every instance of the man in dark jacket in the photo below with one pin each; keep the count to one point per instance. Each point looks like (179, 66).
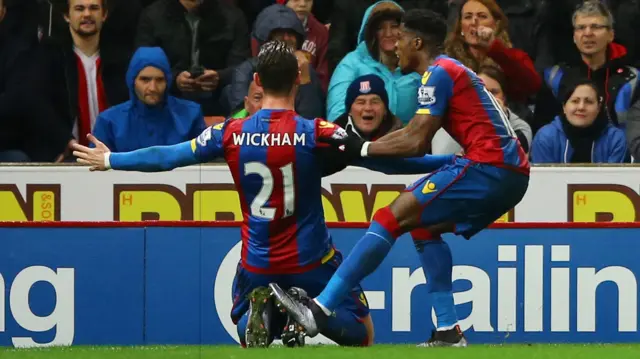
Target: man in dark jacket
(601, 60)
(152, 117)
(71, 82)
(204, 40)
(12, 129)
(278, 22)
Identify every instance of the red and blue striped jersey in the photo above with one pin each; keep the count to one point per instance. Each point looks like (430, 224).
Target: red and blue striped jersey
(470, 114)
(278, 177)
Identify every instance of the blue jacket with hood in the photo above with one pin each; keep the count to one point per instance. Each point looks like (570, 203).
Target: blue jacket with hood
(133, 125)
(402, 89)
(551, 145)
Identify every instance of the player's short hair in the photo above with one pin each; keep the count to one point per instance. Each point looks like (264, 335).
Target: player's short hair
(429, 26)
(277, 68)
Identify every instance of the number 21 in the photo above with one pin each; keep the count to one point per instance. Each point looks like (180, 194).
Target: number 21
(258, 208)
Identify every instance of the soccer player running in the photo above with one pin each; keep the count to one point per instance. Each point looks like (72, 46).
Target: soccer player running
(277, 162)
(462, 197)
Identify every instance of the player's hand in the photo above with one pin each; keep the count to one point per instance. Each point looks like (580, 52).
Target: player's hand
(485, 35)
(93, 157)
(346, 143)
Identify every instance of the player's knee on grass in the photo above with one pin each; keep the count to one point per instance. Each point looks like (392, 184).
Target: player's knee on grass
(368, 323)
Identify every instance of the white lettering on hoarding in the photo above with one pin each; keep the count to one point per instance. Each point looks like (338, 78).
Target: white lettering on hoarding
(62, 317)
(561, 305)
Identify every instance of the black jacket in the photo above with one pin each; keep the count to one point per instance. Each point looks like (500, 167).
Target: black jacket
(52, 86)
(223, 40)
(13, 51)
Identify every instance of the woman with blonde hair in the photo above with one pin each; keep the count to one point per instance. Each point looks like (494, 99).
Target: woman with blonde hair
(479, 37)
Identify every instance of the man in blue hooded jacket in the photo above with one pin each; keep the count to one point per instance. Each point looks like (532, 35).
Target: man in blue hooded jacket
(151, 117)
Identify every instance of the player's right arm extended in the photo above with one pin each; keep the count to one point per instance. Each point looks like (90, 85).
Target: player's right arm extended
(411, 141)
(154, 159)
(165, 158)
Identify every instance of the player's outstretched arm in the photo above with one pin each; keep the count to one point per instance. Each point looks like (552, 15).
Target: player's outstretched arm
(151, 159)
(411, 141)
(406, 166)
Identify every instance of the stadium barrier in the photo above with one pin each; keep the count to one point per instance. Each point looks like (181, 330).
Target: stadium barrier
(136, 283)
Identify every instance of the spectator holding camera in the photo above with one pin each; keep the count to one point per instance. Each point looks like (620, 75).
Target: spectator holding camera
(582, 133)
(204, 40)
(151, 117)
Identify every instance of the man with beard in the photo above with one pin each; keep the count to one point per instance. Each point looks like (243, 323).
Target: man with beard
(72, 81)
(151, 117)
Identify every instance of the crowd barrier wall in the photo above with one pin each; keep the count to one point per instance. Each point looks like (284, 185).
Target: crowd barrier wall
(136, 283)
(206, 193)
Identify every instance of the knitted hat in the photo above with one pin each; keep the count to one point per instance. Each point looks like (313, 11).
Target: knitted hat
(366, 85)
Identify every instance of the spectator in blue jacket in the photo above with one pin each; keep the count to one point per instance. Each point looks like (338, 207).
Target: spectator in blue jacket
(583, 133)
(375, 54)
(151, 117)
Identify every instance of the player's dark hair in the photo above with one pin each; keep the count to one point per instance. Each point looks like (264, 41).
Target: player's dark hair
(429, 26)
(277, 68)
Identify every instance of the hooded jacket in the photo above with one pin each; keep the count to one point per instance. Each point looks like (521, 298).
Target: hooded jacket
(617, 81)
(402, 89)
(133, 125)
(551, 145)
(310, 97)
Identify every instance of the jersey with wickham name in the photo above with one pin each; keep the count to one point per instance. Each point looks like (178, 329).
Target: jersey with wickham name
(278, 179)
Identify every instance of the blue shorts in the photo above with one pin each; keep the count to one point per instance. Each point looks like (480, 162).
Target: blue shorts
(469, 194)
(312, 281)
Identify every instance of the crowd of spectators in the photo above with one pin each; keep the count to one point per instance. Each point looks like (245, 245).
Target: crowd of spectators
(138, 73)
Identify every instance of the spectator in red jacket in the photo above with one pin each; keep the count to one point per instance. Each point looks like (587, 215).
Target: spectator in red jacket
(479, 37)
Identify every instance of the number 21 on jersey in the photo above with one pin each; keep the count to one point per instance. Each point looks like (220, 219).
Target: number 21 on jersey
(258, 205)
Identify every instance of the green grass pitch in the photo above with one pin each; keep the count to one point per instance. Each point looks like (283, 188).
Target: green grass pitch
(332, 352)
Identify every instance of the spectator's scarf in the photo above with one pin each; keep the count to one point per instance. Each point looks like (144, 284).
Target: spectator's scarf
(582, 139)
(84, 113)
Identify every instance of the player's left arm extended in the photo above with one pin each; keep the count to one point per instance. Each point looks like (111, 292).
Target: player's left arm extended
(411, 141)
(155, 159)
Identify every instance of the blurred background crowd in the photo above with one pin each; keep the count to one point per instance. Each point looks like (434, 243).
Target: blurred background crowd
(138, 73)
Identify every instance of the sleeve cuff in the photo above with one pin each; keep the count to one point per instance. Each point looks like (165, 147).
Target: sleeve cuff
(364, 152)
(107, 162)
